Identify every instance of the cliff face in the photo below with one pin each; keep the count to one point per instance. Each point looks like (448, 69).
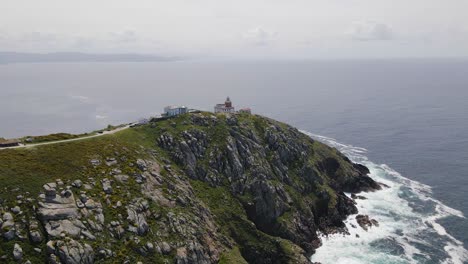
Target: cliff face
(199, 188)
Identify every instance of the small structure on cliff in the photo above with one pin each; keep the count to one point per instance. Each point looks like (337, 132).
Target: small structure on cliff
(225, 108)
(174, 110)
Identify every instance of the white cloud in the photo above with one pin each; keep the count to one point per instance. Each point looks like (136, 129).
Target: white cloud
(370, 30)
(259, 36)
(81, 98)
(100, 117)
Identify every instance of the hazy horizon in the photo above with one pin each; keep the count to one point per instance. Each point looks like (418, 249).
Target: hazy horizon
(242, 29)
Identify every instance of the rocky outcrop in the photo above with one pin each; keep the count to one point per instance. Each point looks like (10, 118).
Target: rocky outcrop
(70, 252)
(270, 163)
(137, 216)
(366, 222)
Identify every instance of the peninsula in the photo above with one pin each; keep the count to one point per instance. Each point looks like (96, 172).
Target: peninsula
(194, 188)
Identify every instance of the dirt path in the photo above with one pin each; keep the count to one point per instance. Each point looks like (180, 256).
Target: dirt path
(69, 140)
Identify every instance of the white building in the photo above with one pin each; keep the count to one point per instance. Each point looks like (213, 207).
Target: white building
(225, 108)
(175, 110)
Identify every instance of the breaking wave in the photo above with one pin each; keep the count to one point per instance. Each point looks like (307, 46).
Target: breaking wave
(408, 230)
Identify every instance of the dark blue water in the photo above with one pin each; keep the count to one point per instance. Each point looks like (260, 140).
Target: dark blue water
(409, 114)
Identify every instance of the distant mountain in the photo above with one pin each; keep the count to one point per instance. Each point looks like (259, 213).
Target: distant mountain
(18, 57)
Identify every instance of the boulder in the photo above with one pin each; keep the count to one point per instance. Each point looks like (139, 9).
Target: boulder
(165, 248)
(141, 164)
(77, 183)
(122, 178)
(365, 222)
(35, 236)
(95, 162)
(137, 217)
(73, 252)
(17, 252)
(106, 186)
(16, 210)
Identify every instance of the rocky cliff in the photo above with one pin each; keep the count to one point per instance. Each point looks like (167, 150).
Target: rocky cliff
(198, 188)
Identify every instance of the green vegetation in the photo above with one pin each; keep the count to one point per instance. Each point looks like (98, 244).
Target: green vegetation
(303, 189)
(52, 137)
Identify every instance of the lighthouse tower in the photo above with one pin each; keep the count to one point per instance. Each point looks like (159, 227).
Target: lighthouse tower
(225, 108)
(228, 102)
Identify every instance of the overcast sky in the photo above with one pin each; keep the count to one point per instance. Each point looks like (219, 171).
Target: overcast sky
(239, 28)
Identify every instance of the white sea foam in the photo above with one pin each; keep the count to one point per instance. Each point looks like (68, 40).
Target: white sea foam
(408, 231)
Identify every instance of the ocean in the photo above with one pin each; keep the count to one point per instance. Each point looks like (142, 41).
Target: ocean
(406, 119)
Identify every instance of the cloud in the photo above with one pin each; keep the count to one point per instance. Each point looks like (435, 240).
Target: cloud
(370, 30)
(100, 117)
(259, 36)
(124, 36)
(81, 98)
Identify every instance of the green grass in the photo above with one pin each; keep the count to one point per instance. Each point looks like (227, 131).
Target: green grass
(52, 137)
(233, 256)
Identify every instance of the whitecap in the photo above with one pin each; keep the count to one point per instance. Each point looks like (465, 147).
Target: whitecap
(407, 214)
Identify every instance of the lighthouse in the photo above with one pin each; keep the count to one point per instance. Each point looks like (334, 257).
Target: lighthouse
(225, 108)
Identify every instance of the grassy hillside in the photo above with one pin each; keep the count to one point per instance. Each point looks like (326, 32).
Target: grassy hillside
(202, 187)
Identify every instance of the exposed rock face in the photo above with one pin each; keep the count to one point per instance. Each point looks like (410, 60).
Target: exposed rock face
(266, 165)
(57, 207)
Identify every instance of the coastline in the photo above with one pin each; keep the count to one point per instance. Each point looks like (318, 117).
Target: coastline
(408, 230)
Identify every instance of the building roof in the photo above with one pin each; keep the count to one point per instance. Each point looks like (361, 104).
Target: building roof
(174, 107)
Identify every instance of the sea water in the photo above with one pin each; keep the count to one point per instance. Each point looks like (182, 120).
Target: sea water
(408, 231)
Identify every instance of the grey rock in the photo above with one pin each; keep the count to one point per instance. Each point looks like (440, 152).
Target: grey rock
(88, 235)
(365, 222)
(166, 248)
(141, 164)
(17, 252)
(7, 217)
(137, 217)
(111, 162)
(77, 183)
(50, 189)
(73, 252)
(16, 210)
(10, 234)
(150, 247)
(119, 232)
(83, 198)
(95, 162)
(106, 186)
(122, 178)
(35, 236)
(116, 171)
(50, 246)
(69, 227)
